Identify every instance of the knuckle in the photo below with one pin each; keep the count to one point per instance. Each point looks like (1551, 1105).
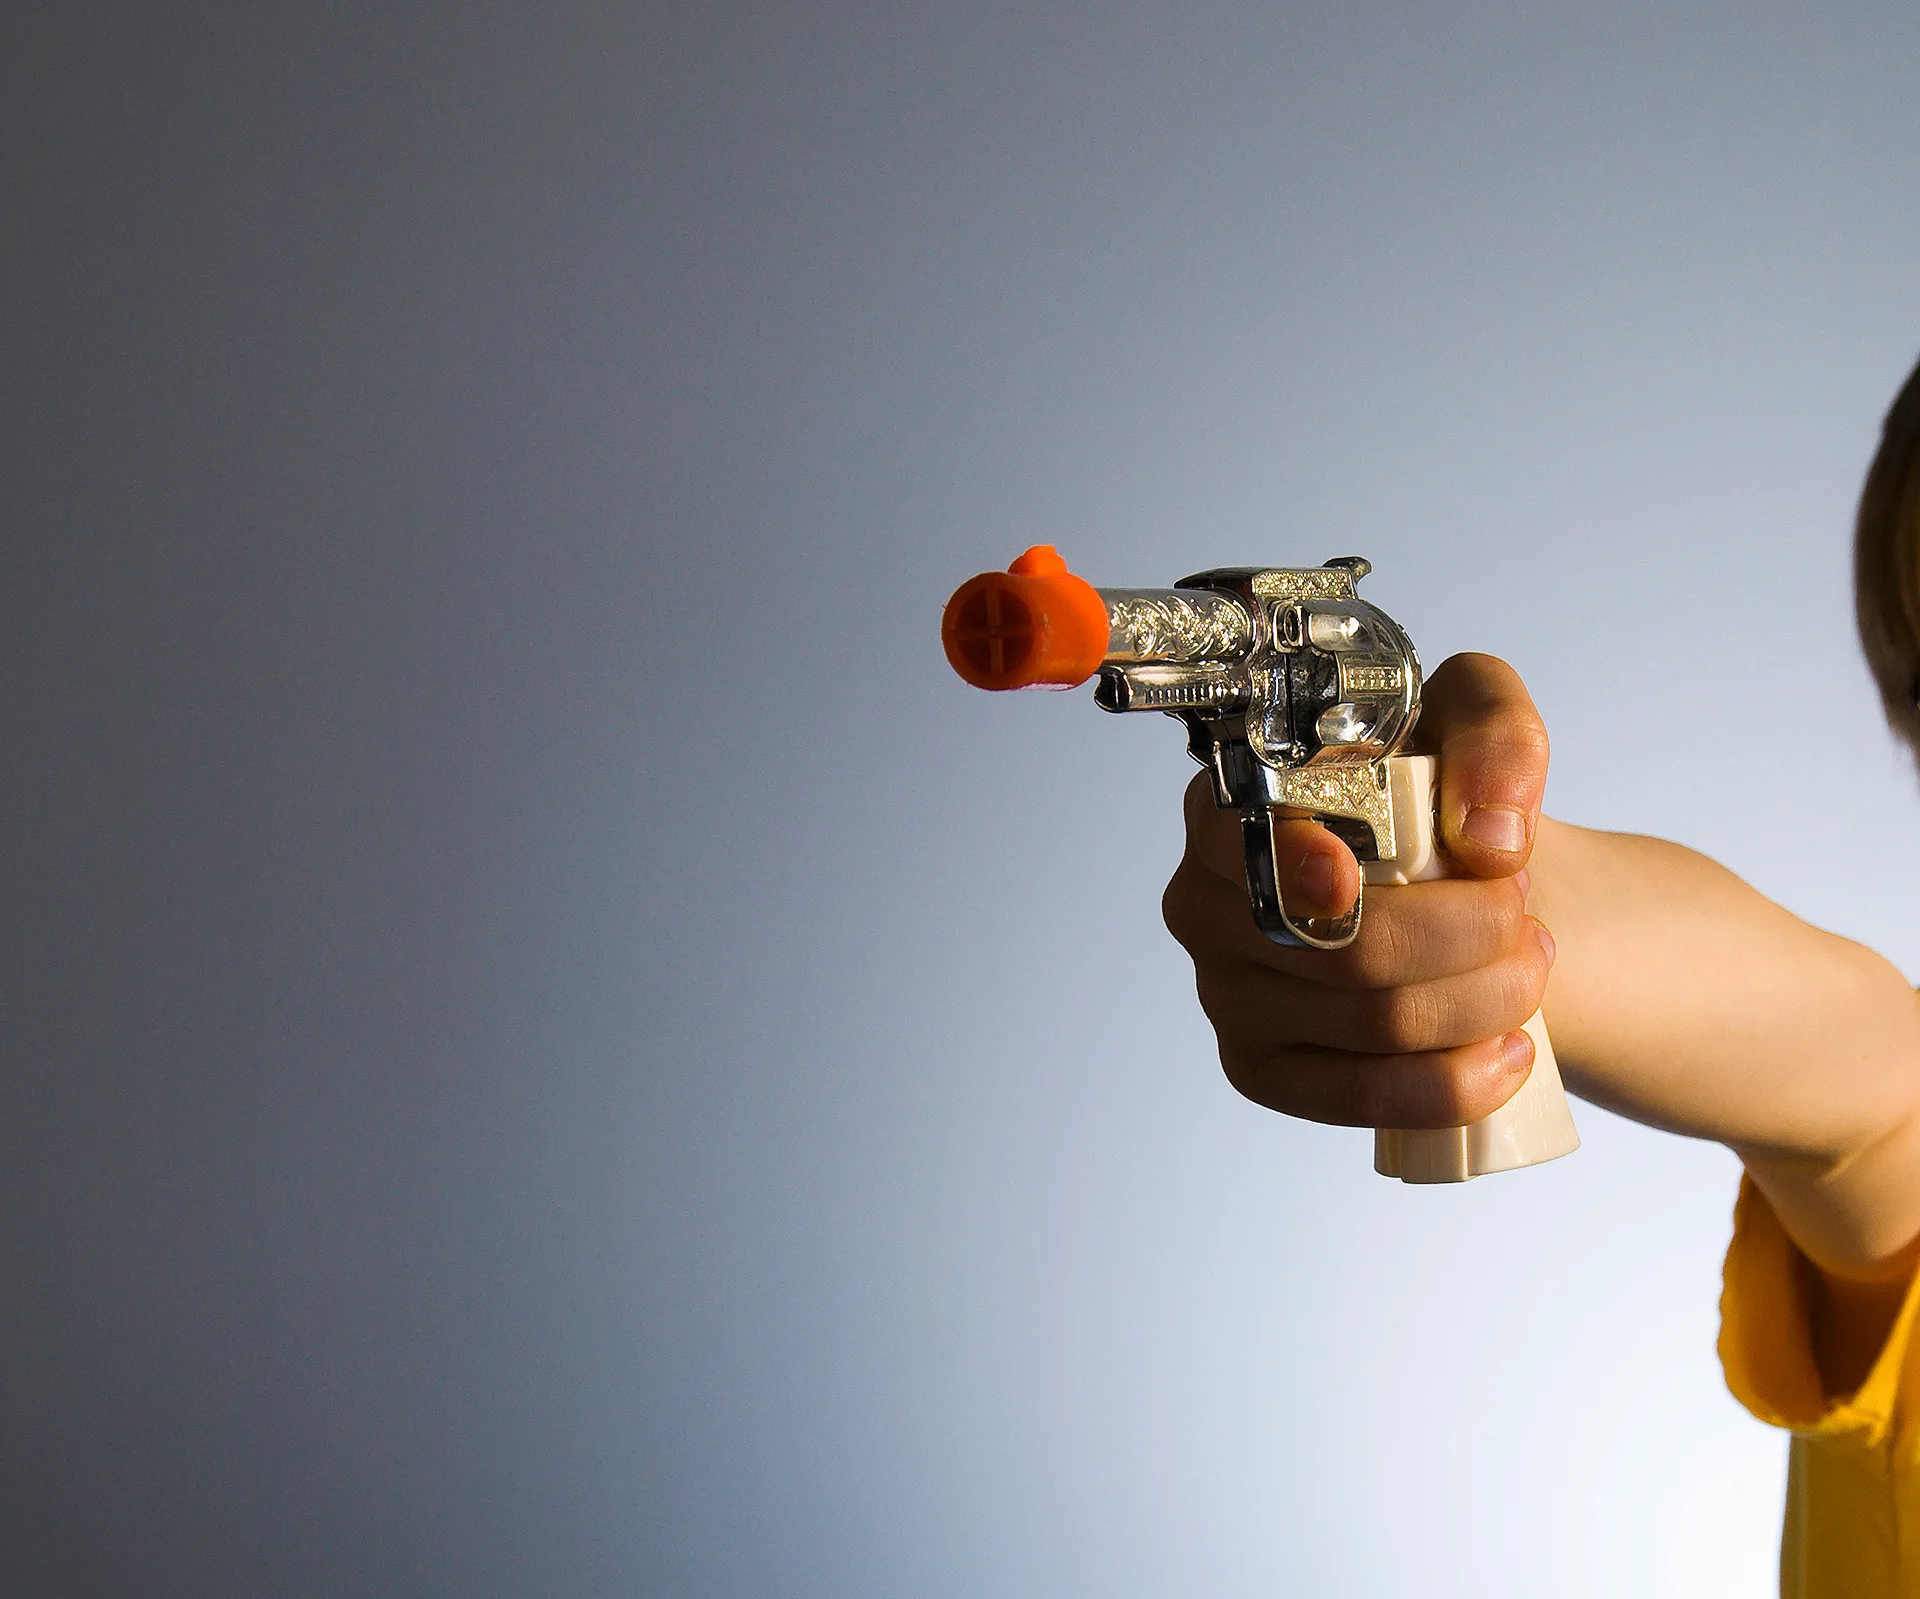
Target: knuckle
(1456, 1087)
(1481, 1085)
(1180, 906)
(1451, 1087)
(1216, 995)
(1381, 955)
(1520, 730)
(1251, 1073)
(1509, 745)
(1363, 1099)
(1403, 1020)
(1503, 905)
(1173, 903)
(1526, 986)
(1379, 1099)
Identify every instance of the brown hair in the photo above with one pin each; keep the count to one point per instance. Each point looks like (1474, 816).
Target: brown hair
(1886, 564)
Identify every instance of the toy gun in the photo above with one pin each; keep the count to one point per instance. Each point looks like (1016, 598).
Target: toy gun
(1296, 695)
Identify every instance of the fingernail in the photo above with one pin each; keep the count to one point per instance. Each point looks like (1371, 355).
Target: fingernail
(1516, 1052)
(1498, 827)
(1525, 879)
(1315, 878)
(1546, 942)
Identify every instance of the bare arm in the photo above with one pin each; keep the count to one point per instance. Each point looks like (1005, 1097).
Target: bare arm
(1678, 996)
(1687, 1000)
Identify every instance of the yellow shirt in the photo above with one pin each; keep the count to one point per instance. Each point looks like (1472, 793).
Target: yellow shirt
(1853, 1475)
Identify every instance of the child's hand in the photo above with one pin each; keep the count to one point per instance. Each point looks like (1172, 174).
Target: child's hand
(1416, 1023)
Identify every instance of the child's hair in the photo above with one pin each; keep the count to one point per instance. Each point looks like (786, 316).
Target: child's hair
(1886, 564)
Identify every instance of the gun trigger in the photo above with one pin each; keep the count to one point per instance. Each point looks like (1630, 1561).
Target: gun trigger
(1269, 906)
(1222, 790)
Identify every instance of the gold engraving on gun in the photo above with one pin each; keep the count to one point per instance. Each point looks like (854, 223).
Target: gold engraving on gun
(1358, 793)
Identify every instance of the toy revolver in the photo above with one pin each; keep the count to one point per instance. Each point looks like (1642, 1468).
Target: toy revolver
(1296, 695)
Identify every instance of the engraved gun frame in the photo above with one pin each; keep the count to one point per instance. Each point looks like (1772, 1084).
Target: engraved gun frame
(1293, 690)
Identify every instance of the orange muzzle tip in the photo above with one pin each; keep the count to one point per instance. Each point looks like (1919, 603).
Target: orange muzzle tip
(1034, 625)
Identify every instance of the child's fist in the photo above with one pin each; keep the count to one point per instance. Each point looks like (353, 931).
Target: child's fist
(1417, 1022)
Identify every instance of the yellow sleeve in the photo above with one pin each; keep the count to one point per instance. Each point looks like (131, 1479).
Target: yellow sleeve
(1852, 1523)
(1766, 1346)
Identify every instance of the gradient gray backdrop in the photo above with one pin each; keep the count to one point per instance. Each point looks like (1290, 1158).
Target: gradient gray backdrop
(552, 1049)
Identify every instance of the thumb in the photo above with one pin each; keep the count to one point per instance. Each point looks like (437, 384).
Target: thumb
(1478, 718)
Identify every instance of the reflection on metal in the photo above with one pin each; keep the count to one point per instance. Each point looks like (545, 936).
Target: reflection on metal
(1294, 692)
(1166, 625)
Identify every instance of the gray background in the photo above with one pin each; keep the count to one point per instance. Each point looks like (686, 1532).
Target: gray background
(551, 1048)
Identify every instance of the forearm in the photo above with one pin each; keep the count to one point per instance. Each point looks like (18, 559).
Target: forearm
(1684, 999)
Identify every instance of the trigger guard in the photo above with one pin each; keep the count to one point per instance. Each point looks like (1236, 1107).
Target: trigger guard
(1269, 906)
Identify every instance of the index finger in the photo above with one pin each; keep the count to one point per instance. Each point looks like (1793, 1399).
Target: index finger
(1318, 875)
(1407, 935)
